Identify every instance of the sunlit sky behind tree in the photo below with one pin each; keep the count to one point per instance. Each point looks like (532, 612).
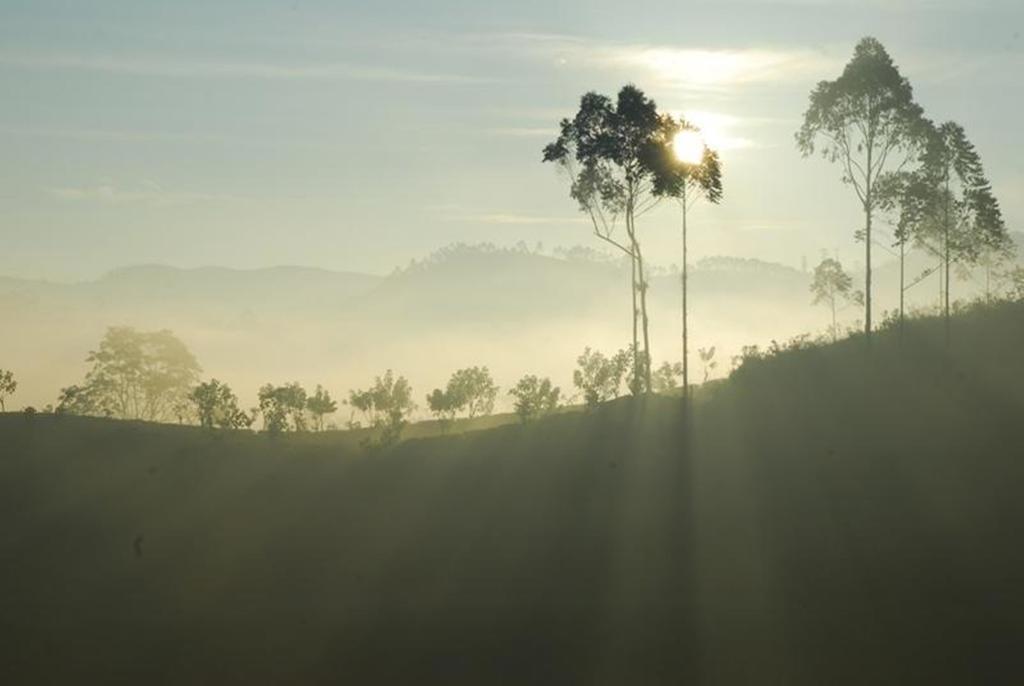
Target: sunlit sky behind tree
(358, 135)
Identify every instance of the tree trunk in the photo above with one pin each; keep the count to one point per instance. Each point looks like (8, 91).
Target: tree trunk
(686, 356)
(643, 310)
(867, 273)
(835, 337)
(868, 208)
(946, 293)
(946, 256)
(636, 314)
(903, 254)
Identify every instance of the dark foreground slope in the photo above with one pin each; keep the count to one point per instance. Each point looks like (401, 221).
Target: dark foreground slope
(821, 518)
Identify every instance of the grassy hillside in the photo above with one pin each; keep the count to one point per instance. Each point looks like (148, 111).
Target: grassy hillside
(823, 517)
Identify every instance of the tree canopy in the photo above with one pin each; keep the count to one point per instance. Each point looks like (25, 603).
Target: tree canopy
(386, 404)
(217, 406)
(283, 407)
(609, 152)
(534, 397)
(135, 375)
(320, 404)
(867, 121)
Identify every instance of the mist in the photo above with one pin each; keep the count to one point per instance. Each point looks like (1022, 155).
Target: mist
(512, 309)
(511, 343)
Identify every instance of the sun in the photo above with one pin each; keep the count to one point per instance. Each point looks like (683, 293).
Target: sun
(688, 147)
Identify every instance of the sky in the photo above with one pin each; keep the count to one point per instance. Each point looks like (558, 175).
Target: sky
(358, 136)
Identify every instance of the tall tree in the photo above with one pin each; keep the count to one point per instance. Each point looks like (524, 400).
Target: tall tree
(963, 218)
(901, 196)
(996, 263)
(606, 151)
(867, 121)
(688, 170)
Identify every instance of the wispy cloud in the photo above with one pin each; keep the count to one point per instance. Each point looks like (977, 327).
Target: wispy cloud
(134, 137)
(145, 193)
(458, 213)
(720, 130)
(694, 68)
(711, 69)
(215, 69)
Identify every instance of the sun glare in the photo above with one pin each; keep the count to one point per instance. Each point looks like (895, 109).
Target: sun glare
(688, 147)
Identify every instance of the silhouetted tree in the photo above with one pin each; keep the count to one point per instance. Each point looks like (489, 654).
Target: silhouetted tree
(689, 171)
(899, 194)
(386, 404)
(1015, 277)
(868, 122)
(217, 406)
(473, 390)
(707, 358)
(74, 400)
(534, 397)
(134, 375)
(962, 216)
(283, 407)
(7, 387)
(606, 149)
(598, 377)
(320, 404)
(665, 376)
(996, 263)
(831, 284)
(443, 406)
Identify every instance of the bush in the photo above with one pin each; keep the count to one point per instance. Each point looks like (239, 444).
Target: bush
(534, 397)
(598, 376)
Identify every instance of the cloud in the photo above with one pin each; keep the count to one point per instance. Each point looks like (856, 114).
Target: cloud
(457, 213)
(719, 129)
(211, 69)
(713, 69)
(691, 68)
(146, 193)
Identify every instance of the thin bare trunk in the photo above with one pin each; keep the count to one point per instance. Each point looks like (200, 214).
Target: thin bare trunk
(643, 310)
(835, 336)
(868, 209)
(636, 313)
(903, 254)
(946, 256)
(686, 355)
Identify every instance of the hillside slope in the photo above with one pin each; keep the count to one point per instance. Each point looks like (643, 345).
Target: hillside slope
(821, 518)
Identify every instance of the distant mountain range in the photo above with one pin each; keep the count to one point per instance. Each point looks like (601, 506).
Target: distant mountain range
(514, 310)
